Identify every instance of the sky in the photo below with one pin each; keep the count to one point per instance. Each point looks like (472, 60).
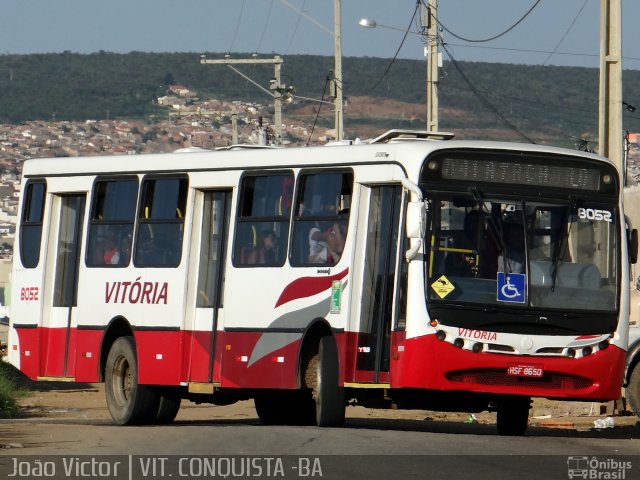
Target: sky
(570, 28)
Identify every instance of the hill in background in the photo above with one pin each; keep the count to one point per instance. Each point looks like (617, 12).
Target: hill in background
(477, 100)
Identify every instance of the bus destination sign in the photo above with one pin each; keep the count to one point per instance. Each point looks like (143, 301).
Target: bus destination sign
(534, 174)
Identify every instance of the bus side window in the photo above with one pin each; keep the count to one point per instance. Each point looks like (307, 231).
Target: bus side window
(113, 214)
(321, 218)
(161, 222)
(263, 220)
(31, 223)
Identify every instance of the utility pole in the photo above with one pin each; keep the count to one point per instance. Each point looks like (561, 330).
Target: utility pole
(336, 81)
(276, 85)
(234, 127)
(428, 16)
(338, 101)
(610, 97)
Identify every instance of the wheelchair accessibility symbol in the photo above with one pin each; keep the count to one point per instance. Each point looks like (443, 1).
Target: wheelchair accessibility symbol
(512, 289)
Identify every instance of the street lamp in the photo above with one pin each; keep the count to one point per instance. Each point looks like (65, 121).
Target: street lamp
(428, 14)
(369, 23)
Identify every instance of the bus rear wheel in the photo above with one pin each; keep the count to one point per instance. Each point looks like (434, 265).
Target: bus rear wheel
(322, 376)
(513, 416)
(129, 403)
(285, 408)
(168, 405)
(632, 391)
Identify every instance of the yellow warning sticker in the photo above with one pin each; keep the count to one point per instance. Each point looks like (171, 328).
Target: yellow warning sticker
(442, 286)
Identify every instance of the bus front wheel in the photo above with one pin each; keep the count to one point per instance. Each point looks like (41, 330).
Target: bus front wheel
(129, 403)
(513, 416)
(322, 376)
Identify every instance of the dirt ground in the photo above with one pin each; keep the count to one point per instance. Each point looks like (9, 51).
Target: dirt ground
(87, 402)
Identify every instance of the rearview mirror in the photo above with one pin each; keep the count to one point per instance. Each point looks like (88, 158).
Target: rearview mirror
(415, 227)
(415, 220)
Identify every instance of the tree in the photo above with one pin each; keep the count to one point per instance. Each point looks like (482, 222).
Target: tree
(168, 79)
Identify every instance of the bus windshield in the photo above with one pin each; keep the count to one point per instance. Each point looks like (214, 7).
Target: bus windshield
(493, 251)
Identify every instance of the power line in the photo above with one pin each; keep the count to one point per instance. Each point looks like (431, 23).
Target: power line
(367, 92)
(566, 33)
(307, 16)
(295, 29)
(483, 99)
(539, 105)
(324, 90)
(495, 36)
(528, 50)
(449, 93)
(235, 33)
(266, 24)
(249, 79)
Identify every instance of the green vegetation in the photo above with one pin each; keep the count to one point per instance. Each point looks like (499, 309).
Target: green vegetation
(543, 101)
(9, 390)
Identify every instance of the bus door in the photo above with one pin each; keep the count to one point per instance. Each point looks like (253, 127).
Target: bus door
(210, 232)
(379, 279)
(61, 283)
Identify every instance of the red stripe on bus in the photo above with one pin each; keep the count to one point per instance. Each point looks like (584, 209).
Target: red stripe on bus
(307, 286)
(587, 337)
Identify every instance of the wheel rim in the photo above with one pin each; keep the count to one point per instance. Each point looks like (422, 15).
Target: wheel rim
(318, 385)
(312, 377)
(121, 380)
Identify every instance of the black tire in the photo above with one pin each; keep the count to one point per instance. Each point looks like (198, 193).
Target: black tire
(322, 376)
(285, 408)
(269, 409)
(513, 416)
(168, 405)
(632, 391)
(129, 402)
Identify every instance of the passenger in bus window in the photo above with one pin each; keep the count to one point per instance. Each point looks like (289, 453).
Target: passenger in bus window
(481, 249)
(317, 245)
(267, 253)
(463, 263)
(249, 255)
(286, 196)
(326, 246)
(107, 250)
(515, 246)
(335, 243)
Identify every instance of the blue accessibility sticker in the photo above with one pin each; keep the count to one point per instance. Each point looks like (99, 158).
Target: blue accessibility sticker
(512, 288)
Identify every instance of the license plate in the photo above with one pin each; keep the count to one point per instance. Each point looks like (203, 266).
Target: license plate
(525, 370)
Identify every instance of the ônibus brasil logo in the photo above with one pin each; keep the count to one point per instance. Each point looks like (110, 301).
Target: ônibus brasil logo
(597, 469)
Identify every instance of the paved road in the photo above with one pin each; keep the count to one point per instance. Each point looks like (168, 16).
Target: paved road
(68, 421)
(364, 448)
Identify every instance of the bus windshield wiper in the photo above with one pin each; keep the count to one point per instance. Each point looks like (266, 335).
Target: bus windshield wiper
(559, 247)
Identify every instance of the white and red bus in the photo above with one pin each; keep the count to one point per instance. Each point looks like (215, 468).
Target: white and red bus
(413, 272)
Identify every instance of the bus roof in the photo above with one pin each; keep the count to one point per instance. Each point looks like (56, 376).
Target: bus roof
(407, 152)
